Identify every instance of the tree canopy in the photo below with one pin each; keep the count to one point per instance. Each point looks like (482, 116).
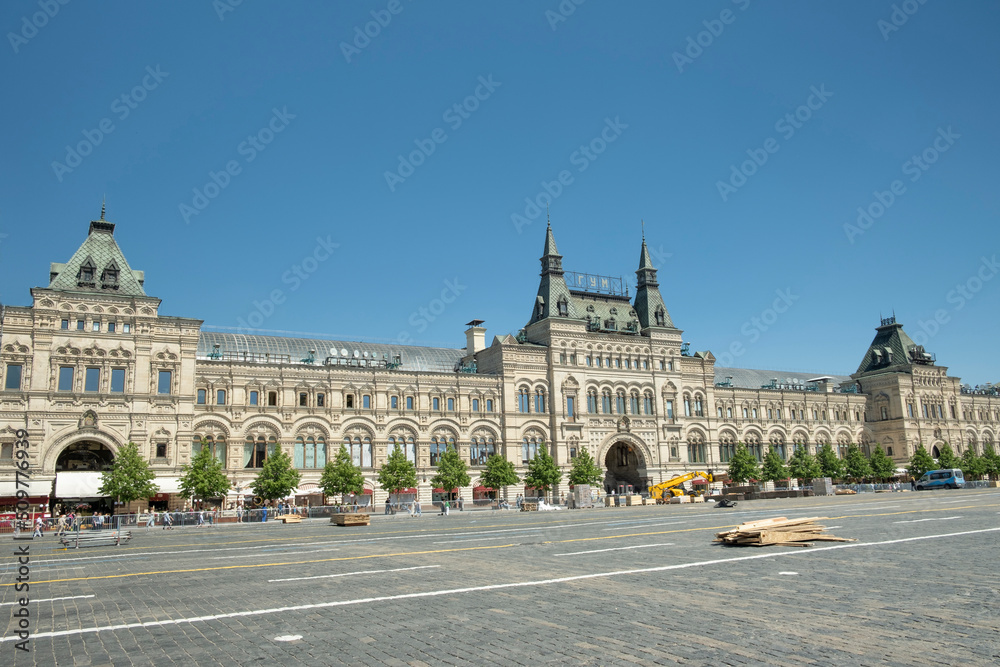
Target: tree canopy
(774, 468)
(397, 473)
(973, 467)
(451, 472)
(204, 477)
(341, 476)
(856, 465)
(129, 477)
(882, 466)
(543, 473)
(829, 463)
(499, 473)
(920, 463)
(743, 466)
(946, 457)
(277, 479)
(803, 465)
(585, 470)
(991, 461)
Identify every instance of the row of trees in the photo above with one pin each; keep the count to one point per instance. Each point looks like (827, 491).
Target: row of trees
(855, 466)
(131, 478)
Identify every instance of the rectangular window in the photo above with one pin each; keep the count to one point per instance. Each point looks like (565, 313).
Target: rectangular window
(65, 378)
(409, 402)
(97, 326)
(13, 380)
(778, 413)
(202, 393)
(79, 325)
(745, 413)
(92, 379)
(126, 328)
(475, 405)
(687, 407)
(952, 411)
(64, 324)
(366, 402)
(562, 358)
(320, 402)
(451, 405)
(618, 363)
(729, 413)
(663, 365)
(161, 450)
(163, 385)
(925, 411)
(590, 361)
(670, 409)
(303, 399)
(111, 327)
(220, 397)
(272, 398)
(754, 412)
(570, 407)
(436, 404)
(720, 413)
(489, 405)
(394, 402)
(254, 398)
(117, 380)
(770, 414)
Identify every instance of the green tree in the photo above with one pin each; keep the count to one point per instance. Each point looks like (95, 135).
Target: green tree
(991, 461)
(451, 472)
(499, 473)
(882, 466)
(946, 457)
(829, 463)
(804, 466)
(774, 468)
(543, 473)
(129, 477)
(973, 467)
(397, 473)
(920, 463)
(277, 478)
(204, 477)
(856, 465)
(743, 466)
(341, 476)
(585, 470)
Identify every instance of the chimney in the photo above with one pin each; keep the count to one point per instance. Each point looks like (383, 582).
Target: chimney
(475, 337)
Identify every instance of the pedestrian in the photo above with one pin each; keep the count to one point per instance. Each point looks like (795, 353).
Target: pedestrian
(168, 521)
(461, 504)
(151, 520)
(62, 525)
(416, 506)
(39, 527)
(447, 506)
(387, 505)
(201, 519)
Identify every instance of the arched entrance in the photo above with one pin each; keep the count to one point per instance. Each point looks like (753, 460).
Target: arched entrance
(85, 456)
(625, 467)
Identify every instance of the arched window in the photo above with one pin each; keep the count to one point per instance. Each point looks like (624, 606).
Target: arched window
(696, 448)
(310, 452)
(606, 402)
(592, 401)
(540, 401)
(483, 446)
(257, 449)
(215, 443)
(754, 447)
(634, 403)
(799, 443)
(522, 400)
(647, 403)
(360, 448)
(778, 445)
(439, 445)
(620, 402)
(529, 448)
(727, 447)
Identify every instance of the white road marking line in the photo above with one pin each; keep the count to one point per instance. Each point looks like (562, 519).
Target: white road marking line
(478, 539)
(652, 525)
(789, 574)
(597, 551)
(833, 527)
(71, 597)
(347, 574)
(937, 518)
(269, 554)
(952, 502)
(288, 638)
(476, 589)
(185, 551)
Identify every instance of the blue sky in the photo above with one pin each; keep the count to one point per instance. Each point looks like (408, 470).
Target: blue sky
(746, 135)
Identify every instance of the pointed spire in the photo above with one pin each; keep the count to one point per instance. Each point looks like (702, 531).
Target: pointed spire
(550, 243)
(103, 201)
(644, 261)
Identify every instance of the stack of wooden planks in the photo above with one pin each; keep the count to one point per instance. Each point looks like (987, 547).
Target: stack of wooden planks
(780, 531)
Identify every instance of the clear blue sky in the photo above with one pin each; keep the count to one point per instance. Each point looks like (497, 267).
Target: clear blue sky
(197, 86)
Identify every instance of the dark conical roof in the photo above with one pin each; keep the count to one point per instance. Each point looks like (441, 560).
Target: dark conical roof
(892, 350)
(99, 252)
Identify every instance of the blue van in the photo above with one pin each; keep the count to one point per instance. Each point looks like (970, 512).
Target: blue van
(949, 478)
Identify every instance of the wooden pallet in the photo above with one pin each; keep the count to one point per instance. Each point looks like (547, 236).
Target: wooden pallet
(351, 519)
(779, 531)
(291, 518)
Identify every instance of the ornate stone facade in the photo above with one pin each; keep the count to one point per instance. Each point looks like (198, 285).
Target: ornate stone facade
(91, 364)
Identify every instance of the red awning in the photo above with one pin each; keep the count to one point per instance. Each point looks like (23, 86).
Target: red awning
(455, 490)
(699, 481)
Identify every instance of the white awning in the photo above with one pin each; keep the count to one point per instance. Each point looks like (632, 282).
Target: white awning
(78, 484)
(35, 488)
(168, 484)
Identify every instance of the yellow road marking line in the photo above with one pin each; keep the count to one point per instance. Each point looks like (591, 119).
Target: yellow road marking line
(238, 567)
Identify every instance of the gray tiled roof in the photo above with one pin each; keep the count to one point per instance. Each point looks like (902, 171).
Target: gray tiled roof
(100, 247)
(893, 348)
(753, 379)
(436, 359)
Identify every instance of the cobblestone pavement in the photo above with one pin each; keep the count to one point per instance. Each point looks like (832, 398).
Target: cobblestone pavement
(639, 585)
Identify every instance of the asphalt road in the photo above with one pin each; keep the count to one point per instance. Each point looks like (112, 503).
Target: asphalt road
(641, 585)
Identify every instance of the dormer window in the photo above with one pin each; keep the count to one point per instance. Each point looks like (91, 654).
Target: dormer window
(87, 271)
(563, 307)
(661, 318)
